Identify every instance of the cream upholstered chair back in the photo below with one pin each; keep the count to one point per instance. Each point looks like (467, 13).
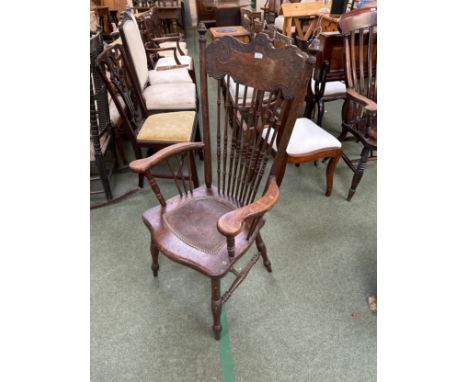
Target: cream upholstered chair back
(135, 48)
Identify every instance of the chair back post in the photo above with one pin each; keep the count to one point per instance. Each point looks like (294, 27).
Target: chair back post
(292, 113)
(357, 26)
(130, 61)
(204, 101)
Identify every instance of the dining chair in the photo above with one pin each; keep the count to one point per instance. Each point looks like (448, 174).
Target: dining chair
(210, 227)
(103, 156)
(145, 130)
(359, 111)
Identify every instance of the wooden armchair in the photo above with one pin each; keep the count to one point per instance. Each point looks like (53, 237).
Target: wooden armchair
(211, 227)
(154, 36)
(360, 108)
(145, 130)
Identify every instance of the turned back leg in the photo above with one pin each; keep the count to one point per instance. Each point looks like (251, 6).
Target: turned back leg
(262, 249)
(359, 172)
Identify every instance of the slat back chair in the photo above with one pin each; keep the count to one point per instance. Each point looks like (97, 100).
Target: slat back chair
(210, 228)
(360, 108)
(155, 131)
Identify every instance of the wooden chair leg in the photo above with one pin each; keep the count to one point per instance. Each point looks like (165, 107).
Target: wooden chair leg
(331, 173)
(281, 171)
(262, 249)
(309, 108)
(154, 254)
(321, 111)
(359, 172)
(216, 306)
(193, 170)
(141, 180)
(198, 138)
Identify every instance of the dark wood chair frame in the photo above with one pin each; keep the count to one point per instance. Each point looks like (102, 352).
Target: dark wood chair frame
(241, 160)
(359, 111)
(102, 133)
(113, 69)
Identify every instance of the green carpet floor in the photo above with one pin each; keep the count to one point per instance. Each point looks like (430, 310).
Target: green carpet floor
(306, 321)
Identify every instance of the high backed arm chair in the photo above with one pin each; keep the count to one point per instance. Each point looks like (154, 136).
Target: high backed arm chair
(154, 131)
(211, 227)
(360, 108)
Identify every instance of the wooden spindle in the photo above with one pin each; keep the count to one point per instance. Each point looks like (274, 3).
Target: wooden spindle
(205, 110)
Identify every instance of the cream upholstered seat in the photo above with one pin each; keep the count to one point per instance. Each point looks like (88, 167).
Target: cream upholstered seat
(170, 61)
(308, 137)
(169, 76)
(178, 96)
(168, 127)
(248, 98)
(173, 44)
(279, 22)
(137, 53)
(170, 53)
(332, 88)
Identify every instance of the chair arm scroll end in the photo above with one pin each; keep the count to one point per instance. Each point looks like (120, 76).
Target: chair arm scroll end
(230, 224)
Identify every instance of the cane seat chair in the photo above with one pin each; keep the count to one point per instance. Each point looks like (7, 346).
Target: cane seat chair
(360, 108)
(211, 227)
(145, 130)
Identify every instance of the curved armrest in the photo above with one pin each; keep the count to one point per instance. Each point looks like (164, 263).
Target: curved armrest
(230, 224)
(369, 105)
(156, 50)
(165, 39)
(143, 165)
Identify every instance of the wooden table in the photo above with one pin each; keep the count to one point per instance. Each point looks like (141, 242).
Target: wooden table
(238, 32)
(294, 12)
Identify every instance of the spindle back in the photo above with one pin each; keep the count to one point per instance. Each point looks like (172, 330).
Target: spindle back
(260, 90)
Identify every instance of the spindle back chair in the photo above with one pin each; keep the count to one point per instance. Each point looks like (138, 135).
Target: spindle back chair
(359, 111)
(210, 228)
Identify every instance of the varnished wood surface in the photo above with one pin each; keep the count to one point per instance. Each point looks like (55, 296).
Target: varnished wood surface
(209, 228)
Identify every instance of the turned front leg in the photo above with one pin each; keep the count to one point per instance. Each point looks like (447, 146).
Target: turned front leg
(154, 254)
(216, 307)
